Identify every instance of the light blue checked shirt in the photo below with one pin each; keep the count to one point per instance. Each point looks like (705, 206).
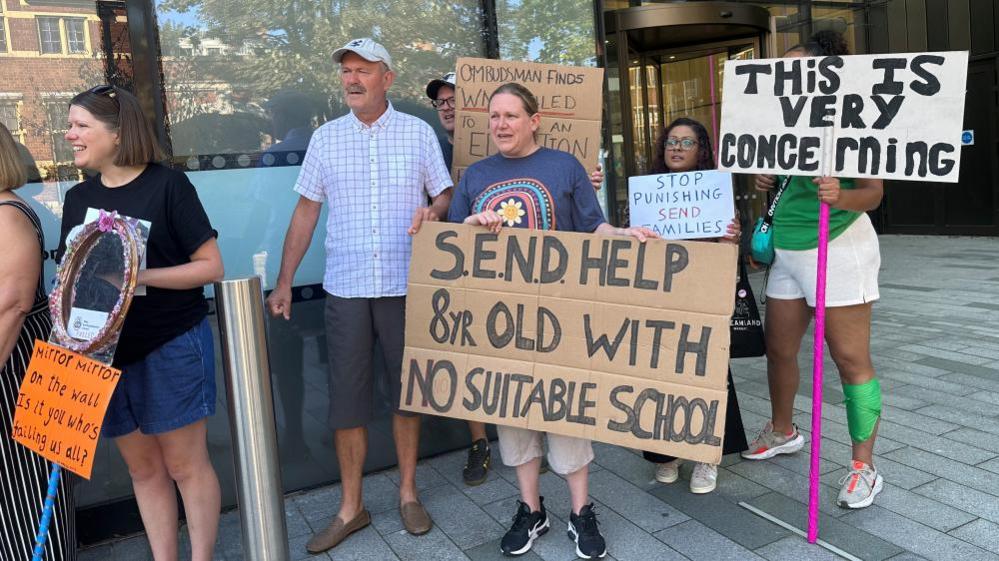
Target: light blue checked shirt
(373, 179)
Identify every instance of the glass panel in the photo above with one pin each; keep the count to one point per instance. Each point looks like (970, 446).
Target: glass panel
(48, 32)
(244, 90)
(3, 37)
(76, 38)
(638, 117)
(528, 31)
(692, 89)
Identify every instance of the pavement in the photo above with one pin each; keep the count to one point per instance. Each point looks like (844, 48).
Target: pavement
(935, 345)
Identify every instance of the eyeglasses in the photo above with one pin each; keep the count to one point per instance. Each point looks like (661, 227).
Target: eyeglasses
(439, 104)
(683, 144)
(104, 89)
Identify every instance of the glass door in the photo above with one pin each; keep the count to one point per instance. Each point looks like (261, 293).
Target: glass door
(666, 85)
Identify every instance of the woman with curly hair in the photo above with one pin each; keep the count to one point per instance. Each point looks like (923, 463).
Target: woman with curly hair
(681, 147)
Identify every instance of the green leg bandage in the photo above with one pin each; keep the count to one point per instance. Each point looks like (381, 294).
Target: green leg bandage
(863, 408)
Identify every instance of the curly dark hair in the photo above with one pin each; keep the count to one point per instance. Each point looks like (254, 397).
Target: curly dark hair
(705, 155)
(827, 43)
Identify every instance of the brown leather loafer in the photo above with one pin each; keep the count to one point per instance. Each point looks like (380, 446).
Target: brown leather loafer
(415, 518)
(337, 532)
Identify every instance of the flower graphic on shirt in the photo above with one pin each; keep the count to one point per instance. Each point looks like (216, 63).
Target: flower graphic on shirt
(511, 211)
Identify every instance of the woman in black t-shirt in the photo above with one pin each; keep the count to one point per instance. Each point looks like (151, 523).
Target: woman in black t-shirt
(157, 412)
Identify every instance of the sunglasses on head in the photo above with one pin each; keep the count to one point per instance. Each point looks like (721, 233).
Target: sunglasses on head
(104, 89)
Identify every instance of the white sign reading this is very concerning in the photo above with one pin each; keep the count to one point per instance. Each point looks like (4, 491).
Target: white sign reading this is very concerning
(894, 116)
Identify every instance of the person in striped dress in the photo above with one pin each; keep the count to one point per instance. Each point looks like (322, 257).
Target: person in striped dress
(24, 317)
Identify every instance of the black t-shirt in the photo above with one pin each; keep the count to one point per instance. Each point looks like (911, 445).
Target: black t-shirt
(178, 227)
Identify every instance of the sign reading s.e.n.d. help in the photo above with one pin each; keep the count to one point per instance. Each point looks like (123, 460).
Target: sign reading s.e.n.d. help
(895, 116)
(696, 204)
(577, 334)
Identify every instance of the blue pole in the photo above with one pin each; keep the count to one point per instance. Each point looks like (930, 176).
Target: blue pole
(43, 524)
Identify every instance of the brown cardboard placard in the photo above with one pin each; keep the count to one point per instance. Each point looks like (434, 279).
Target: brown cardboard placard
(613, 356)
(570, 101)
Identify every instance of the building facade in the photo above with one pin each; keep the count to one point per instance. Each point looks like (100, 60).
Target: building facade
(235, 94)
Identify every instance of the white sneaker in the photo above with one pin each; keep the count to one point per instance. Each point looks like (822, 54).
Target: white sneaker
(704, 479)
(668, 472)
(859, 486)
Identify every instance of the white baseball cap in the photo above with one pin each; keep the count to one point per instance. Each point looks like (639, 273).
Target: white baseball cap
(366, 48)
(435, 85)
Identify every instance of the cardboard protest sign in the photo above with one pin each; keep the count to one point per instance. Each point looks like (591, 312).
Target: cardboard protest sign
(691, 205)
(61, 405)
(570, 101)
(893, 116)
(576, 334)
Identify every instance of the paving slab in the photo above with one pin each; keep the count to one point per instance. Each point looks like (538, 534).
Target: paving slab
(982, 533)
(915, 537)
(962, 497)
(831, 530)
(698, 542)
(795, 548)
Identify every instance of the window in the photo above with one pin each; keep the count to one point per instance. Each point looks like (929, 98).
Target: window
(75, 36)
(49, 35)
(3, 37)
(62, 35)
(55, 117)
(9, 116)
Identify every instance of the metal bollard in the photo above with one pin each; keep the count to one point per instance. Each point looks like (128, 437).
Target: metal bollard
(240, 310)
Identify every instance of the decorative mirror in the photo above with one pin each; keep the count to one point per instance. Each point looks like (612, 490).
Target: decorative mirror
(96, 282)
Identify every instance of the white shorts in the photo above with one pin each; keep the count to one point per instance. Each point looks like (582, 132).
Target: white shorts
(566, 454)
(852, 265)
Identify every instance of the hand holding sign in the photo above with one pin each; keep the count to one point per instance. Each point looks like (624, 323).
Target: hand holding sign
(691, 205)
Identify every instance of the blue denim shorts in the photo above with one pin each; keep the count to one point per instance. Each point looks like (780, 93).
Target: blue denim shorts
(170, 388)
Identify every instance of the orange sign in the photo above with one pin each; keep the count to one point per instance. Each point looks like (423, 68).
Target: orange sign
(61, 405)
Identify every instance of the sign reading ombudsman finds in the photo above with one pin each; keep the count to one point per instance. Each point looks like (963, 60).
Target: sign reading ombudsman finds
(895, 116)
(598, 337)
(570, 101)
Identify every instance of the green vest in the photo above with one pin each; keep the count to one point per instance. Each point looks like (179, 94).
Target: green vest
(796, 220)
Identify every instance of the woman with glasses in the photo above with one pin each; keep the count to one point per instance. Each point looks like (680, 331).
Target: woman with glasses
(156, 415)
(681, 147)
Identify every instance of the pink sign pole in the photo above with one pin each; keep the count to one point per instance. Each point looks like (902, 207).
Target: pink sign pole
(817, 354)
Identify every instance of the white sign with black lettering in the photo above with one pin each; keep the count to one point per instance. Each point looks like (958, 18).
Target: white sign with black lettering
(896, 116)
(682, 206)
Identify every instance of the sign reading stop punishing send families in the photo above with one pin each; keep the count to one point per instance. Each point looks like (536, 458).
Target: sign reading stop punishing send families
(691, 205)
(894, 116)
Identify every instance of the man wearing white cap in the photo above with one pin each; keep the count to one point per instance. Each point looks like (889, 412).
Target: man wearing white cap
(375, 167)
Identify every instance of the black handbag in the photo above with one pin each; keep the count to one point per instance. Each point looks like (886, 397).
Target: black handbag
(747, 338)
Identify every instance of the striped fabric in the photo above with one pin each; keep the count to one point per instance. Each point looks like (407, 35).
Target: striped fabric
(23, 474)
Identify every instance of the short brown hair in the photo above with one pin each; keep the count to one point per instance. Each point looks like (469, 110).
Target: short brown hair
(121, 112)
(12, 169)
(526, 97)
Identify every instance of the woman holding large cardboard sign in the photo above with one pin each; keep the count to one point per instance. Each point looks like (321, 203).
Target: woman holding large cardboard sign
(157, 412)
(528, 186)
(24, 317)
(853, 262)
(681, 147)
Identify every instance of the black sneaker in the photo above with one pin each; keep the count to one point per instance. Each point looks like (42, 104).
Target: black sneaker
(583, 530)
(477, 466)
(527, 526)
